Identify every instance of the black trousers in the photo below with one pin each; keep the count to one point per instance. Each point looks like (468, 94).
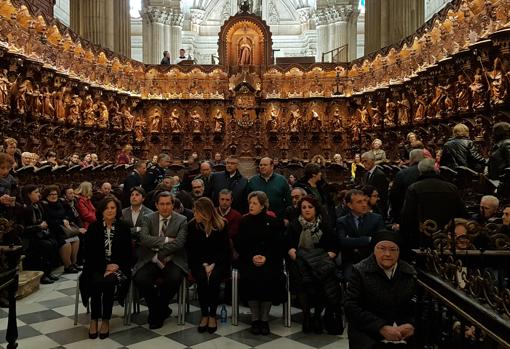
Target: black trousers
(208, 289)
(158, 287)
(102, 292)
(41, 254)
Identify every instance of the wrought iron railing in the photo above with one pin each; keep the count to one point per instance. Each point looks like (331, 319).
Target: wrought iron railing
(336, 55)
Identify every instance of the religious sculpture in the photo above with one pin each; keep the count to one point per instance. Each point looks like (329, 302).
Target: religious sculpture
(175, 124)
(336, 124)
(389, 115)
(245, 52)
(272, 124)
(60, 106)
(155, 121)
(103, 119)
(196, 122)
(89, 112)
(477, 91)
(116, 116)
(5, 87)
(420, 107)
(139, 126)
(48, 108)
(404, 109)
(498, 83)
(73, 118)
(219, 123)
(462, 94)
(375, 113)
(295, 120)
(362, 112)
(127, 118)
(36, 98)
(315, 121)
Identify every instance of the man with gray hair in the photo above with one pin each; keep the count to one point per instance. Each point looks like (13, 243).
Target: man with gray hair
(489, 205)
(431, 197)
(197, 189)
(292, 212)
(376, 177)
(403, 179)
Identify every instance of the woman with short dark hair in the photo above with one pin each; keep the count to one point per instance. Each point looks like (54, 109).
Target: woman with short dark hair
(107, 266)
(259, 244)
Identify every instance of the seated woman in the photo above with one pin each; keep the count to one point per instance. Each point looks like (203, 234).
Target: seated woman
(107, 264)
(85, 207)
(208, 252)
(61, 218)
(259, 244)
(40, 245)
(308, 238)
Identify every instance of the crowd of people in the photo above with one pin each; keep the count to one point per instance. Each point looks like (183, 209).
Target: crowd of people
(159, 228)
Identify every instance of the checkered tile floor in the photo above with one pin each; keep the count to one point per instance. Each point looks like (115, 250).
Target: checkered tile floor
(45, 320)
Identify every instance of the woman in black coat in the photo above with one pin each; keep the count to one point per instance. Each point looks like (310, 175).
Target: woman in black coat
(107, 264)
(308, 233)
(59, 214)
(260, 247)
(40, 245)
(208, 249)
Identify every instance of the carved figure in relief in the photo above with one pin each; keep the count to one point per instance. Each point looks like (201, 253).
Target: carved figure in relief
(219, 123)
(139, 126)
(404, 109)
(37, 102)
(60, 106)
(48, 108)
(5, 87)
(498, 83)
(21, 98)
(155, 121)
(420, 107)
(245, 52)
(127, 118)
(462, 93)
(477, 91)
(89, 112)
(389, 115)
(376, 114)
(272, 124)
(196, 122)
(104, 116)
(315, 122)
(435, 107)
(175, 123)
(362, 111)
(295, 120)
(337, 121)
(73, 118)
(116, 116)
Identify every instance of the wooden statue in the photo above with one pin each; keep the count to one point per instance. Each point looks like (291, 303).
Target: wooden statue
(315, 121)
(60, 106)
(498, 83)
(389, 115)
(477, 91)
(196, 122)
(272, 124)
(127, 118)
(245, 52)
(155, 121)
(376, 114)
(5, 87)
(175, 123)
(336, 124)
(89, 112)
(116, 116)
(104, 116)
(462, 93)
(295, 120)
(48, 108)
(219, 123)
(36, 98)
(404, 110)
(139, 127)
(73, 118)
(420, 107)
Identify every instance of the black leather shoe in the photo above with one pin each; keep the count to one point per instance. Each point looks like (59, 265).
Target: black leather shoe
(93, 335)
(255, 327)
(317, 325)
(71, 270)
(155, 325)
(78, 267)
(103, 335)
(45, 280)
(264, 328)
(53, 277)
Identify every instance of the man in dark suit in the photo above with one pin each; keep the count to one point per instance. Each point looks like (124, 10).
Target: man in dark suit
(133, 215)
(162, 258)
(134, 179)
(403, 179)
(206, 176)
(232, 180)
(376, 177)
(356, 230)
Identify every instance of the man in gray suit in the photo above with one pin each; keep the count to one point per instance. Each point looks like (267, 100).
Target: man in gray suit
(133, 214)
(162, 258)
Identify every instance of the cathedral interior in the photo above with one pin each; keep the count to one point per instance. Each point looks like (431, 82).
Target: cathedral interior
(294, 80)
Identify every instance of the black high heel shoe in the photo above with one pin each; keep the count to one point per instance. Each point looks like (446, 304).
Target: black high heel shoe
(203, 328)
(103, 335)
(211, 329)
(93, 335)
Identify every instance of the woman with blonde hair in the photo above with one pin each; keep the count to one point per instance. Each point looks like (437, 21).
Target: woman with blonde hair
(208, 252)
(461, 151)
(85, 208)
(379, 154)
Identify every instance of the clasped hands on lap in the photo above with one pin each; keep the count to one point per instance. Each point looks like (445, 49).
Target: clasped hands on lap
(292, 254)
(397, 333)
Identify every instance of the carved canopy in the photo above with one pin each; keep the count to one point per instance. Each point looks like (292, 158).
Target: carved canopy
(245, 29)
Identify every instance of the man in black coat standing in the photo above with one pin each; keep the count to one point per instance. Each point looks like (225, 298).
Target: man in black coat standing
(378, 304)
(403, 179)
(232, 180)
(461, 151)
(134, 179)
(431, 197)
(376, 177)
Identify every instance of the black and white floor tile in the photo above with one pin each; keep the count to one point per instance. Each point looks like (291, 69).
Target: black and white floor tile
(46, 320)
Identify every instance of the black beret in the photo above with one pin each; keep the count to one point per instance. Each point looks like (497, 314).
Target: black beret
(386, 235)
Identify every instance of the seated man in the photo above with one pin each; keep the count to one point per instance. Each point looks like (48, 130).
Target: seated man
(356, 229)
(162, 258)
(133, 215)
(489, 205)
(378, 302)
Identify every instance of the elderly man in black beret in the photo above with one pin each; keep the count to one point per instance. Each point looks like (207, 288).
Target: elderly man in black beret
(379, 306)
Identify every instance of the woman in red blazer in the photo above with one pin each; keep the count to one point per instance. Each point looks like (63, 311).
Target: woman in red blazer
(85, 208)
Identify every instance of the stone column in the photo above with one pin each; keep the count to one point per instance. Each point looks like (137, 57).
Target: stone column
(389, 21)
(322, 25)
(103, 22)
(175, 20)
(162, 31)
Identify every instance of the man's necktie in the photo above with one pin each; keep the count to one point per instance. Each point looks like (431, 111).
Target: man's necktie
(163, 227)
(359, 221)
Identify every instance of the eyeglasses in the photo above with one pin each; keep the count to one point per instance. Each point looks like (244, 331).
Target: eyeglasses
(391, 250)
